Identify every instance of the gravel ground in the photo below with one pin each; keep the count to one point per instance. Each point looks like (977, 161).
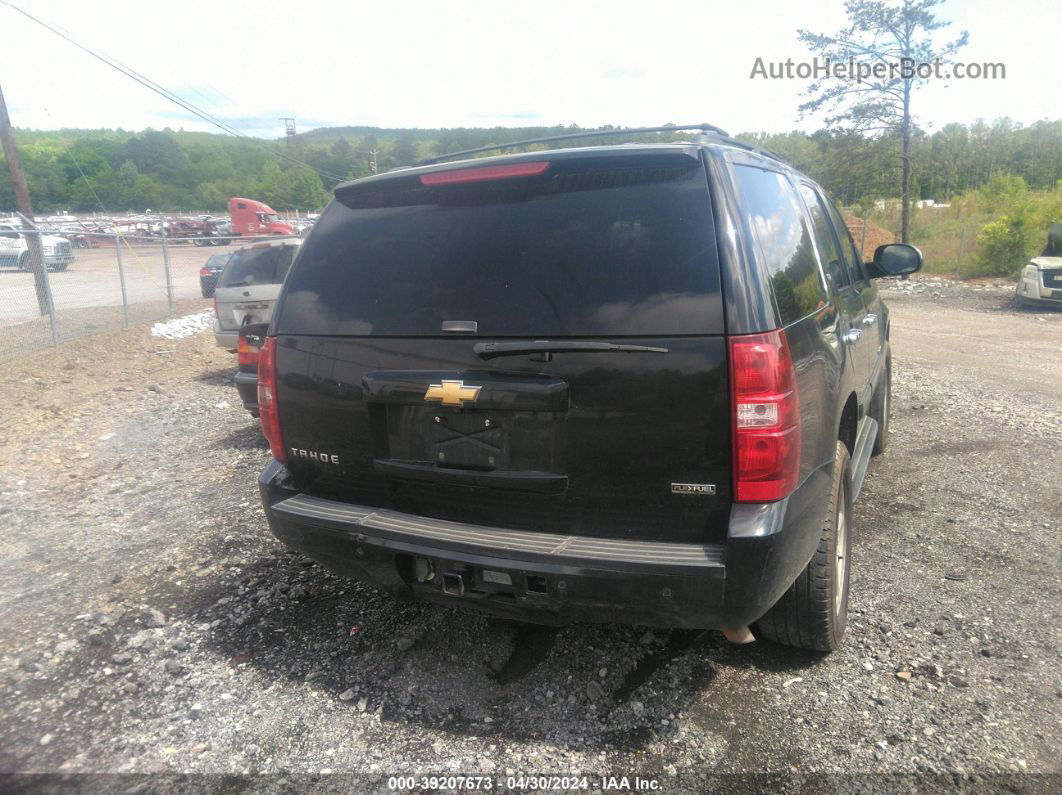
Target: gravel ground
(150, 624)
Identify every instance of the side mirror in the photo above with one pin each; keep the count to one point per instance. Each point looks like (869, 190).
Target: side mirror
(894, 259)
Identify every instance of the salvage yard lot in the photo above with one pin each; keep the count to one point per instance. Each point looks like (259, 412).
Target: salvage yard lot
(149, 622)
(92, 279)
(88, 295)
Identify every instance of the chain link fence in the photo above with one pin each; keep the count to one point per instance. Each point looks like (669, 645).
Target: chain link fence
(55, 288)
(949, 241)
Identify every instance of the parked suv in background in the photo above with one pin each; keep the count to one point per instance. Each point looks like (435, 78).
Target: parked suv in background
(1040, 282)
(14, 250)
(249, 285)
(634, 383)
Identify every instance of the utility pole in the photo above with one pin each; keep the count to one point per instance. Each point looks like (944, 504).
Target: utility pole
(289, 128)
(25, 207)
(375, 168)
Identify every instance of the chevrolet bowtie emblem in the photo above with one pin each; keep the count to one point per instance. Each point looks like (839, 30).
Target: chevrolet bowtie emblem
(452, 393)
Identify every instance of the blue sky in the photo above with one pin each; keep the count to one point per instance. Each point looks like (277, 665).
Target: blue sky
(472, 63)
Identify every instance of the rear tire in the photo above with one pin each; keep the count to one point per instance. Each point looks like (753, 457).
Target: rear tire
(880, 411)
(813, 613)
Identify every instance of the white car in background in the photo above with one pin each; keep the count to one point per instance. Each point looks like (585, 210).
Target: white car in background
(1041, 280)
(248, 288)
(14, 249)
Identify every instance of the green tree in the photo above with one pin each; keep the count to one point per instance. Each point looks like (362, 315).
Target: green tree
(177, 170)
(147, 193)
(157, 153)
(405, 151)
(306, 192)
(1001, 192)
(342, 158)
(1007, 243)
(882, 35)
(212, 196)
(269, 184)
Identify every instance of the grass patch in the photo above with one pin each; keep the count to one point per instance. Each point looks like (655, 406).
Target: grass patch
(992, 231)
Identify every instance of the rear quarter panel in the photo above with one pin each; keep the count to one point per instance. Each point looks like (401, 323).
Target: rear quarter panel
(822, 379)
(824, 376)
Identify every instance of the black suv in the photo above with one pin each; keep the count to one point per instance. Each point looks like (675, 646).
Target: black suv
(636, 383)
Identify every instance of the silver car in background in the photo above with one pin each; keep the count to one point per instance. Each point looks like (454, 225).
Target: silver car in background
(1040, 282)
(248, 288)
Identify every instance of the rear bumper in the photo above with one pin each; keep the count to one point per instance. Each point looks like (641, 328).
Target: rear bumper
(226, 338)
(556, 579)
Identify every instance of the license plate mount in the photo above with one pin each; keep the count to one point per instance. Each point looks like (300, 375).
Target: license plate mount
(469, 440)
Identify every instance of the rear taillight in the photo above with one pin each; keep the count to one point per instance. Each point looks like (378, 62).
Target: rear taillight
(247, 354)
(766, 417)
(484, 174)
(205, 272)
(267, 399)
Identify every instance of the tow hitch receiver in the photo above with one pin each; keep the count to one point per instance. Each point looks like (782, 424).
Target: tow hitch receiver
(453, 583)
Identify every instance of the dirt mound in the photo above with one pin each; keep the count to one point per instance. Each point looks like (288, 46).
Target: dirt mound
(876, 235)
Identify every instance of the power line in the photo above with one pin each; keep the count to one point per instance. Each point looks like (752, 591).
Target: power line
(165, 93)
(260, 128)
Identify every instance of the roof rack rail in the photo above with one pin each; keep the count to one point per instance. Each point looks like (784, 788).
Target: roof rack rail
(757, 149)
(706, 128)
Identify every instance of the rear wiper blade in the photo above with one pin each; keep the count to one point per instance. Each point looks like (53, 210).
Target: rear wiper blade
(490, 350)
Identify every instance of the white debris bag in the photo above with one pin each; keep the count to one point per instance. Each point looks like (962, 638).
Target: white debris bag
(184, 326)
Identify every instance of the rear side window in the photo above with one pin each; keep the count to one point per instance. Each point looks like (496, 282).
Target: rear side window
(849, 252)
(603, 249)
(782, 241)
(836, 269)
(267, 265)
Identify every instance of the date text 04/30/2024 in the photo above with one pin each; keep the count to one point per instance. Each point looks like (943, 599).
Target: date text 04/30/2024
(530, 783)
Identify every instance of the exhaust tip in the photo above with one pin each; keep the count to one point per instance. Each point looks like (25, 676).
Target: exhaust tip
(739, 636)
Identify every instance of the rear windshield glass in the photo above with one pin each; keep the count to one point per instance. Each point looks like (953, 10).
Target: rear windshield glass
(258, 266)
(620, 250)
